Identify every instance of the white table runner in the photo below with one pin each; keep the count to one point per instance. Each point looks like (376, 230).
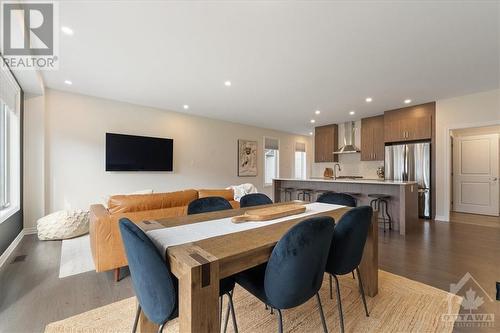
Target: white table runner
(166, 237)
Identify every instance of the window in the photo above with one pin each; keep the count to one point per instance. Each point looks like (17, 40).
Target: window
(10, 144)
(4, 166)
(271, 160)
(300, 160)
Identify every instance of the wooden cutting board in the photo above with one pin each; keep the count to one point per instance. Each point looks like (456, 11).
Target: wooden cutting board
(269, 213)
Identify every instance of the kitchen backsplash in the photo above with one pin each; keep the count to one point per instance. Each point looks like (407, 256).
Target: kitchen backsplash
(351, 166)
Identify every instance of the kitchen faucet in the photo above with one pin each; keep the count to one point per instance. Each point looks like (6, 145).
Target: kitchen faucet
(335, 170)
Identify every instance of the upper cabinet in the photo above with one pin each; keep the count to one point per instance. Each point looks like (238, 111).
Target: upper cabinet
(409, 124)
(325, 143)
(372, 138)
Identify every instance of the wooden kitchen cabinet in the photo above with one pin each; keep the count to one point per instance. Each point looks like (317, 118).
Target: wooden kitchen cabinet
(409, 124)
(372, 139)
(325, 143)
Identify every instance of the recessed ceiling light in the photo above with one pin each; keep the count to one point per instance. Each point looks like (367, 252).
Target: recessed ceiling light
(310, 133)
(317, 111)
(407, 101)
(313, 121)
(227, 83)
(368, 99)
(68, 82)
(67, 31)
(352, 113)
(185, 106)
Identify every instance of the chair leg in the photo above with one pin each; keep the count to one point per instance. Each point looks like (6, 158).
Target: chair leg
(221, 299)
(339, 303)
(321, 313)
(117, 274)
(160, 329)
(362, 291)
(280, 321)
(226, 317)
(331, 288)
(387, 214)
(136, 320)
(233, 314)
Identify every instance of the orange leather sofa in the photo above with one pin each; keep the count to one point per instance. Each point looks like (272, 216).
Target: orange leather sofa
(105, 238)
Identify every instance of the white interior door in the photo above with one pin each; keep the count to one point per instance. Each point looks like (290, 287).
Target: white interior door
(475, 174)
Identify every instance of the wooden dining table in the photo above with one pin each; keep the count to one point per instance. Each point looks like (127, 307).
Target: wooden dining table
(201, 264)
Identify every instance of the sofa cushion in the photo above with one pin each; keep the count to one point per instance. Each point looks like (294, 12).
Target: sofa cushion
(144, 202)
(227, 194)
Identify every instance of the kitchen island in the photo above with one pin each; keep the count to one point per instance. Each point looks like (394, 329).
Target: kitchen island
(402, 206)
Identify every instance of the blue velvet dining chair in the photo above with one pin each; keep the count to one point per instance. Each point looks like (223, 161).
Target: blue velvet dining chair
(255, 199)
(208, 204)
(349, 238)
(335, 198)
(155, 287)
(295, 269)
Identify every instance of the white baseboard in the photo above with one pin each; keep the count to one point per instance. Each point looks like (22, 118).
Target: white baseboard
(441, 218)
(30, 231)
(7, 253)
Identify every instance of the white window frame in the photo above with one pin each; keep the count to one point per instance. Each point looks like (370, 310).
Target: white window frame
(4, 157)
(304, 161)
(10, 175)
(277, 165)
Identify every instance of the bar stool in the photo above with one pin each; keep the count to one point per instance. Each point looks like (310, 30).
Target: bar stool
(380, 204)
(305, 192)
(289, 191)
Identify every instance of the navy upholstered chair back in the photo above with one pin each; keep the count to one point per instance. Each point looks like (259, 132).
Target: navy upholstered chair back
(349, 240)
(337, 199)
(153, 283)
(208, 204)
(255, 199)
(294, 272)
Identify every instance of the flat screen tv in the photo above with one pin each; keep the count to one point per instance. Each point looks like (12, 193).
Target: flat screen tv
(138, 153)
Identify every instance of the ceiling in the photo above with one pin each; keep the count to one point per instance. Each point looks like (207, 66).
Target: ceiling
(285, 59)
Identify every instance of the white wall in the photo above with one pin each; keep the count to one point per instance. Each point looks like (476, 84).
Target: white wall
(205, 151)
(34, 159)
(475, 110)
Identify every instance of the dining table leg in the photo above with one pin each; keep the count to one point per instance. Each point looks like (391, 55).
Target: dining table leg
(199, 299)
(198, 293)
(369, 262)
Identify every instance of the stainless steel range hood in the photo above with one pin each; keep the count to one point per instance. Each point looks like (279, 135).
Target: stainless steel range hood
(349, 146)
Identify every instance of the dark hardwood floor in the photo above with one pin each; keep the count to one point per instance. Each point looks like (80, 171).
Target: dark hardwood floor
(32, 295)
(437, 254)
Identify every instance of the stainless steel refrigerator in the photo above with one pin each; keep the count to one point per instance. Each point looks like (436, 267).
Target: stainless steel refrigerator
(412, 162)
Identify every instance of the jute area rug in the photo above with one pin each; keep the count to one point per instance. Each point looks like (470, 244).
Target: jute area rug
(402, 305)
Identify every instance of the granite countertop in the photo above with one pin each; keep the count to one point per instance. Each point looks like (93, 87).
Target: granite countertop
(352, 181)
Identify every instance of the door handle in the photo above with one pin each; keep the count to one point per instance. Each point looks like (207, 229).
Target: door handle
(494, 179)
